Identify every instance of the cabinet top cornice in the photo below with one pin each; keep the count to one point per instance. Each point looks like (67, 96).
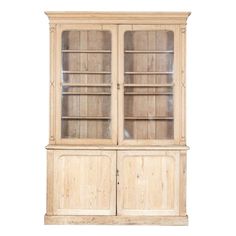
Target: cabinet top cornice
(118, 17)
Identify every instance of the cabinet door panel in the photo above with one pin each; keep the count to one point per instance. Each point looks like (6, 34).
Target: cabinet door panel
(84, 182)
(86, 91)
(148, 97)
(148, 182)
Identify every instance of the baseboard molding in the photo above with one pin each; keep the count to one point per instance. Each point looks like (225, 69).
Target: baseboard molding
(120, 220)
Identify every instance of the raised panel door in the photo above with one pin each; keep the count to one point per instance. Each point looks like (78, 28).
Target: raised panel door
(84, 182)
(147, 183)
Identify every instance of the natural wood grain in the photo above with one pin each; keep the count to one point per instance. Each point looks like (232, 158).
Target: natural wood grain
(117, 147)
(148, 68)
(86, 72)
(148, 183)
(91, 68)
(149, 51)
(53, 56)
(120, 220)
(182, 183)
(147, 93)
(86, 93)
(85, 51)
(50, 182)
(85, 85)
(85, 182)
(117, 88)
(148, 85)
(182, 81)
(148, 73)
(85, 118)
(118, 17)
(147, 118)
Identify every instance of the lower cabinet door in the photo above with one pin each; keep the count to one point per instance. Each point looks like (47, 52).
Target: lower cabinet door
(81, 182)
(148, 183)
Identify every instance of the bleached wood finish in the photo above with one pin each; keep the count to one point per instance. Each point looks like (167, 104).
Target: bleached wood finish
(120, 220)
(118, 147)
(152, 132)
(116, 68)
(182, 183)
(172, 18)
(147, 183)
(81, 182)
(101, 103)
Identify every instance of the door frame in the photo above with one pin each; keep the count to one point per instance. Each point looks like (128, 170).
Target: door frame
(58, 85)
(176, 85)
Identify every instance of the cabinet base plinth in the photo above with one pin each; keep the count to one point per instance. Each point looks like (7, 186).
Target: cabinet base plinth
(120, 220)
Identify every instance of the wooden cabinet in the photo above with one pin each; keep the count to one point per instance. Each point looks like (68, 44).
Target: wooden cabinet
(117, 147)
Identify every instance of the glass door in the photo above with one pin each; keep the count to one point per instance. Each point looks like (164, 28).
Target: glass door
(87, 91)
(147, 86)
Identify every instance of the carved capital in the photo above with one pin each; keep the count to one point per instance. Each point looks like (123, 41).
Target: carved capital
(52, 28)
(183, 30)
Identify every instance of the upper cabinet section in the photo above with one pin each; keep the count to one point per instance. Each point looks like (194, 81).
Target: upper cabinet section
(117, 78)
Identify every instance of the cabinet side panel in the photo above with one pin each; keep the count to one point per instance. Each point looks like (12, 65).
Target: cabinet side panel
(182, 183)
(50, 182)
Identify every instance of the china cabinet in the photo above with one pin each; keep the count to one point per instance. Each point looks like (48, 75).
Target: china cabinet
(117, 147)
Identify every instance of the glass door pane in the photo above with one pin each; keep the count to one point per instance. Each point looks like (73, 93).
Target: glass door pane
(86, 84)
(148, 84)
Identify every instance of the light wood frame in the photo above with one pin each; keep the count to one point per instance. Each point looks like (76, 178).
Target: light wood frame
(116, 147)
(176, 86)
(58, 85)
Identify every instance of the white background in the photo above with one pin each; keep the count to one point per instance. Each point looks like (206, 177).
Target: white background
(24, 112)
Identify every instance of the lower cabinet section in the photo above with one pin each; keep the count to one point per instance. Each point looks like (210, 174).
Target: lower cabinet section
(129, 186)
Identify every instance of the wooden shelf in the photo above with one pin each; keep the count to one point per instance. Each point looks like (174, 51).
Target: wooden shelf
(148, 51)
(84, 51)
(85, 85)
(85, 72)
(148, 85)
(78, 93)
(149, 118)
(146, 94)
(148, 73)
(84, 118)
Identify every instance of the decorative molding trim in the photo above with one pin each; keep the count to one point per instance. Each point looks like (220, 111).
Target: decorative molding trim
(183, 30)
(183, 83)
(121, 220)
(128, 147)
(118, 17)
(52, 28)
